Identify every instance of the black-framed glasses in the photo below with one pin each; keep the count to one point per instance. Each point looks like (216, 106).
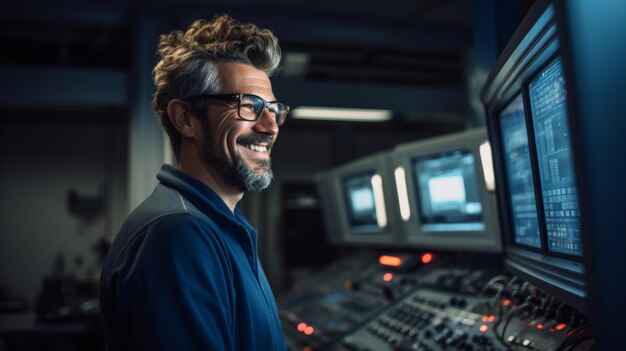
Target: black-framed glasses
(250, 107)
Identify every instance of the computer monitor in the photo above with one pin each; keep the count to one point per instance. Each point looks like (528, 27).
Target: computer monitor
(527, 115)
(445, 192)
(361, 202)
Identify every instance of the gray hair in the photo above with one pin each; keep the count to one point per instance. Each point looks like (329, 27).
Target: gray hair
(188, 64)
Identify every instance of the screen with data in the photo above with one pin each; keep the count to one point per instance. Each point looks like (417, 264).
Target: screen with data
(547, 95)
(447, 189)
(520, 184)
(359, 196)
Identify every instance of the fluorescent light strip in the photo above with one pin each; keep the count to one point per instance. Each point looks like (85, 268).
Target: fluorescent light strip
(340, 114)
(403, 195)
(379, 201)
(487, 162)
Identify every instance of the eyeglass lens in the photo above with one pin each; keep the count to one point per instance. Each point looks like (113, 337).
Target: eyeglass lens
(251, 107)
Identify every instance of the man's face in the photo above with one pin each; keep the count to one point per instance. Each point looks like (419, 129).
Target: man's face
(237, 149)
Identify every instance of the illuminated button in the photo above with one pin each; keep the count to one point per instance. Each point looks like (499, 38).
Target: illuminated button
(427, 258)
(301, 327)
(308, 330)
(392, 261)
(483, 328)
(526, 342)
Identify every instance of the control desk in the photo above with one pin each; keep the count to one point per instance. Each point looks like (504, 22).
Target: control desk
(358, 304)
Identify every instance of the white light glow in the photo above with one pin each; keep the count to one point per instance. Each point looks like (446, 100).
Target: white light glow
(362, 200)
(340, 114)
(403, 195)
(447, 188)
(487, 163)
(379, 201)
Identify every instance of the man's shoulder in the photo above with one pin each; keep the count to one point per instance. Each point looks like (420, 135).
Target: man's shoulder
(167, 219)
(163, 206)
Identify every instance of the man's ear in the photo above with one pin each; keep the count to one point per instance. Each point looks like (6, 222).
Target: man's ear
(180, 117)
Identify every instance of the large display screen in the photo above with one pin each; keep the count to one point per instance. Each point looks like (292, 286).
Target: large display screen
(521, 188)
(547, 95)
(447, 189)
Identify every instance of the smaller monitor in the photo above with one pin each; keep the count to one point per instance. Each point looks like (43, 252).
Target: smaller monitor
(445, 192)
(360, 206)
(363, 210)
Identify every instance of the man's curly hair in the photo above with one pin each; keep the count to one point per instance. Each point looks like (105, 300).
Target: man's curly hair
(188, 62)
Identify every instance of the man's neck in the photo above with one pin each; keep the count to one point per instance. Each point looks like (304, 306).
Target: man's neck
(207, 174)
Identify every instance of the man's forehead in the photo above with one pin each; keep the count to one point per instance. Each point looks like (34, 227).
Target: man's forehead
(256, 82)
(239, 74)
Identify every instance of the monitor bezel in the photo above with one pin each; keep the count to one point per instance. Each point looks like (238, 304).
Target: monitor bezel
(328, 206)
(417, 234)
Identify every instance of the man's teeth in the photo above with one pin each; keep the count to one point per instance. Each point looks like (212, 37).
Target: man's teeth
(257, 148)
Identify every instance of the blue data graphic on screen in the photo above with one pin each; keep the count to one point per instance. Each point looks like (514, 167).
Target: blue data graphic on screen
(447, 188)
(359, 194)
(554, 153)
(521, 188)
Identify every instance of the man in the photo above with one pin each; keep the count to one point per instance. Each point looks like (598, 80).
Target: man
(183, 272)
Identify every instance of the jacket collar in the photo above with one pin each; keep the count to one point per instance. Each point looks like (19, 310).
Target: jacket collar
(201, 196)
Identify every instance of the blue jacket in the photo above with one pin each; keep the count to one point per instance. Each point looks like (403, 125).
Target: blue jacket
(183, 274)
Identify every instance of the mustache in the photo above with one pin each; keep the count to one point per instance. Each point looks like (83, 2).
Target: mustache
(256, 138)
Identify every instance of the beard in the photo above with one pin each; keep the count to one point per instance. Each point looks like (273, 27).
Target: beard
(236, 172)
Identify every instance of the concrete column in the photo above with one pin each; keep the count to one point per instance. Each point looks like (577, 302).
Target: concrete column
(146, 137)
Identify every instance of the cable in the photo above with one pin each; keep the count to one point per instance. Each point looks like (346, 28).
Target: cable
(574, 337)
(513, 312)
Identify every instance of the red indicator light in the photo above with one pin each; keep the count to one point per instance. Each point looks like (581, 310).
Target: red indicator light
(387, 277)
(301, 327)
(483, 328)
(491, 318)
(392, 261)
(561, 326)
(309, 330)
(485, 319)
(506, 302)
(427, 257)
(539, 326)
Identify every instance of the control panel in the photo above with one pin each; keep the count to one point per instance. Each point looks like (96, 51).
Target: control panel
(362, 305)
(466, 309)
(316, 313)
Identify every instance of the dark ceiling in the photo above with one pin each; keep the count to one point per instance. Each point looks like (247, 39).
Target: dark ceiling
(417, 42)
(407, 55)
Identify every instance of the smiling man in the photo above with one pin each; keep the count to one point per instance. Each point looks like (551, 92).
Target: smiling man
(183, 272)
